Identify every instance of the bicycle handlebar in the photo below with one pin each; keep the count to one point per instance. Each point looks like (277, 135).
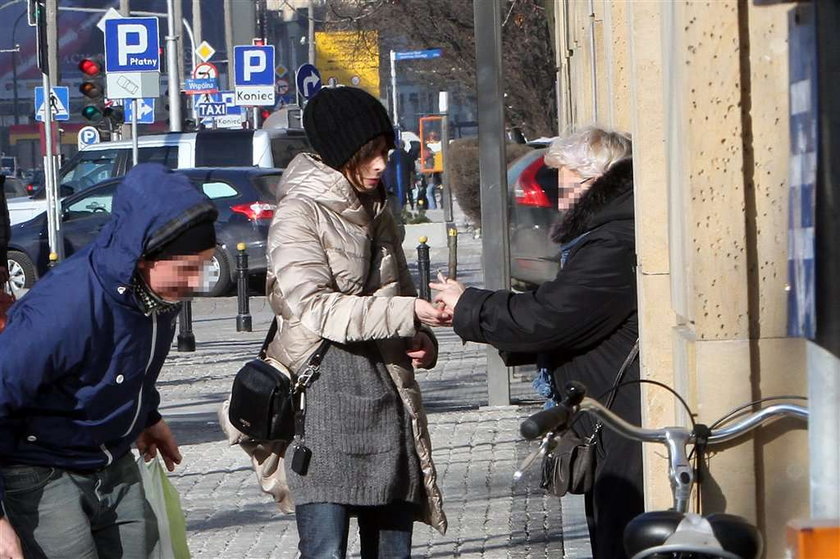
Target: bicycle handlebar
(544, 421)
(559, 417)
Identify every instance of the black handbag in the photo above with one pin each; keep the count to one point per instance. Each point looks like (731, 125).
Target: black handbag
(265, 398)
(569, 465)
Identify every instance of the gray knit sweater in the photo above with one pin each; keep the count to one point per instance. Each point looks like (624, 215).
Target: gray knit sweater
(359, 432)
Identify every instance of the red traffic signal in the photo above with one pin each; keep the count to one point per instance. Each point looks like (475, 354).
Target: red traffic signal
(90, 67)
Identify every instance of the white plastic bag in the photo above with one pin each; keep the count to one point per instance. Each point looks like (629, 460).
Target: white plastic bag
(166, 504)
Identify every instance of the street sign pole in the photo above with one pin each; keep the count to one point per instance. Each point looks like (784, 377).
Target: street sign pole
(172, 70)
(394, 85)
(135, 152)
(54, 235)
(427, 54)
(493, 174)
(443, 105)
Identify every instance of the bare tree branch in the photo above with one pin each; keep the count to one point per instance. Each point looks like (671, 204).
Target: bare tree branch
(528, 54)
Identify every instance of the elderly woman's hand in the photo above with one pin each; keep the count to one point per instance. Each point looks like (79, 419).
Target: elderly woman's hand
(431, 315)
(449, 291)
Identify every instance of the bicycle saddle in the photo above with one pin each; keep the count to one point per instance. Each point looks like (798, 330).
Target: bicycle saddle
(716, 535)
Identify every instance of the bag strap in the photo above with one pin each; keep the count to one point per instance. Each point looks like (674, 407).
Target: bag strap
(304, 380)
(272, 331)
(634, 352)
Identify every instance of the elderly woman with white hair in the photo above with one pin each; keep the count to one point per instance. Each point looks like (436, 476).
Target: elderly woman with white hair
(582, 325)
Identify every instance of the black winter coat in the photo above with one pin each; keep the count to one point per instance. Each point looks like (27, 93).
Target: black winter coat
(584, 321)
(581, 325)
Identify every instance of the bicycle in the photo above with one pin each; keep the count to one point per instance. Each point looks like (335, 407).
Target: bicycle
(674, 533)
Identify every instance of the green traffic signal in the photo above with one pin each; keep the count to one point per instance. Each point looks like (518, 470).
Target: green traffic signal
(92, 113)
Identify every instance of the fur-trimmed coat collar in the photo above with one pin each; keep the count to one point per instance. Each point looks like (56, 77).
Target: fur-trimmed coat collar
(609, 198)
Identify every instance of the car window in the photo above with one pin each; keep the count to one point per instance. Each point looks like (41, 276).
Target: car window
(165, 155)
(217, 189)
(284, 149)
(97, 203)
(90, 168)
(266, 185)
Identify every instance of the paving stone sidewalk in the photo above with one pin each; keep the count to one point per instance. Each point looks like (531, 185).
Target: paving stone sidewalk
(476, 450)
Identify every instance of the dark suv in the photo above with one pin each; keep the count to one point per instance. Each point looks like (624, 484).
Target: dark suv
(244, 198)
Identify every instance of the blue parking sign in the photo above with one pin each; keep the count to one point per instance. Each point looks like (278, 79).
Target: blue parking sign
(253, 65)
(132, 45)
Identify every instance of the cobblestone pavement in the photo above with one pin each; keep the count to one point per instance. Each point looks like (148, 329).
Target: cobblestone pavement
(476, 450)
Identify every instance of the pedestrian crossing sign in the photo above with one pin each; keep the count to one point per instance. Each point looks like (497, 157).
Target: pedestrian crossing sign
(59, 100)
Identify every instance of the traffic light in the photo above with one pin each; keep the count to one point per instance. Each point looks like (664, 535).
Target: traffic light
(115, 114)
(92, 89)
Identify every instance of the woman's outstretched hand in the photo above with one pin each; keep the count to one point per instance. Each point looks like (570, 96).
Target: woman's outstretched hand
(449, 291)
(431, 315)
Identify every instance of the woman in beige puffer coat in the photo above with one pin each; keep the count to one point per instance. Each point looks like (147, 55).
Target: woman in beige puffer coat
(337, 271)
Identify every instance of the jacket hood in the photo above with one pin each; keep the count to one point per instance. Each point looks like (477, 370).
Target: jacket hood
(309, 177)
(151, 206)
(610, 198)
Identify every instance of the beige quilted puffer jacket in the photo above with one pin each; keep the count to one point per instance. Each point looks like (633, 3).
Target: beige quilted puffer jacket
(336, 273)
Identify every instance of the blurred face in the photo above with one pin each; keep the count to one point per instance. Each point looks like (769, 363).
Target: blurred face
(572, 186)
(365, 175)
(177, 278)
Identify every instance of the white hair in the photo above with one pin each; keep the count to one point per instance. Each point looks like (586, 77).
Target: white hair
(589, 152)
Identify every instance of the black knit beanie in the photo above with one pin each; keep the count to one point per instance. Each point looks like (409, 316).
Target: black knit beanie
(340, 120)
(198, 238)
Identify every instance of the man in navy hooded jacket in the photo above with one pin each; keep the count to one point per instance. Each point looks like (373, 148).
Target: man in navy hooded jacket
(78, 364)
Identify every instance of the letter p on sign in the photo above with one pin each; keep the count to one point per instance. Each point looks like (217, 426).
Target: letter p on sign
(254, 63)
(132, 39)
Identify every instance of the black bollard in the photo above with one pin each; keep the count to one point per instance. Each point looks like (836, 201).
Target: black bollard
(424, 267)
(452, 241)
(186, 338)
(243, 318)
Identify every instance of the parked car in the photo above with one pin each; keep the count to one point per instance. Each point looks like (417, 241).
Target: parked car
(272, 148)
(13, 188)
(244, 197)
(533, 210)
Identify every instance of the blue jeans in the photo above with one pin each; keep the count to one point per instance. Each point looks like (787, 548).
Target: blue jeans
(58, 513)
(384, 531)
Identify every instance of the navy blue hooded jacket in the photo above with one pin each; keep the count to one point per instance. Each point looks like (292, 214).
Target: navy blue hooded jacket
(79, 358)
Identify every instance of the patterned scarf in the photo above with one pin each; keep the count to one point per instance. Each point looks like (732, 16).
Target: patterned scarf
(148, 299)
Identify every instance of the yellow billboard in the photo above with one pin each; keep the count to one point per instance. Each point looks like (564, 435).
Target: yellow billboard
(348, 58)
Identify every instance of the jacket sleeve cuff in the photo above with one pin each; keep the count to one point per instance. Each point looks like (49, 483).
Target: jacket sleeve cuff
(153, 418)
(467, 319)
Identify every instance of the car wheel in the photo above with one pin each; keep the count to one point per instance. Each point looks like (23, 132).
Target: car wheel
(22, 273)
(218, 280)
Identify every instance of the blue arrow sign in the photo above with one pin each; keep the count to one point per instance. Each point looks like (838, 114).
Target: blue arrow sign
(132, 45)
(145, 111)
(253, 65)
(308, 80)
(418, 54)
(59, 103)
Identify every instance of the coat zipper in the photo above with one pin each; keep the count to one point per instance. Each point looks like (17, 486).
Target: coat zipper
(148, 365)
